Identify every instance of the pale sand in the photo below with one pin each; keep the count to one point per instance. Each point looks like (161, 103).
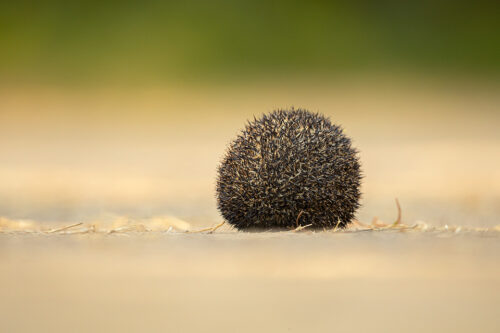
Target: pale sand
(77, 155)
(149, 156)
(378, 281)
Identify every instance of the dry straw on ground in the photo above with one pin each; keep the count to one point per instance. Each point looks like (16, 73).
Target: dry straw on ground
(8, 226)
(169, 224)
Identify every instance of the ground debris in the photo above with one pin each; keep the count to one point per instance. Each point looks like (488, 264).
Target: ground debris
(124, 225)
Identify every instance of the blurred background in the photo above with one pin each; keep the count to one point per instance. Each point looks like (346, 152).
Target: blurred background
(120, 111)
(125, 108)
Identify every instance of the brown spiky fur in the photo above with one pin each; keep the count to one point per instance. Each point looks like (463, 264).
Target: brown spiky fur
(289, 168)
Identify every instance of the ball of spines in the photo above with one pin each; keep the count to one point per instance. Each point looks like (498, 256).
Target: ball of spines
(287, 169)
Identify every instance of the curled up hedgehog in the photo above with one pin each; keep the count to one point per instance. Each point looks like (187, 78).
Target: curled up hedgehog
(289, 168)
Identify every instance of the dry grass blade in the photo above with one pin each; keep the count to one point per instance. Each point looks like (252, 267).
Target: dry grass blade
(129, 228)
(298, 217)
(398, 220)
(336, 226)
(217, 227)
(358, 223)
(301, 227)
(210, 230)
(377, 224)
(64, 228)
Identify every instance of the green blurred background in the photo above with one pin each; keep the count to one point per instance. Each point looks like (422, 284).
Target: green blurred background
(116, 113)
(157, 41)
(125, 108)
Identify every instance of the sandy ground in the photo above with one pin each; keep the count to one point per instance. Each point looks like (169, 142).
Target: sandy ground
(379, 281)
(108, 158)
(73, 155)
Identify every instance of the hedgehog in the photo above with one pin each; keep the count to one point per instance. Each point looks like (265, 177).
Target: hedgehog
(286, 169)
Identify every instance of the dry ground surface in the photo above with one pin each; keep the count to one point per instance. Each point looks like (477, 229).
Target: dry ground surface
(132, 278)
(98, 188)
(73, 155)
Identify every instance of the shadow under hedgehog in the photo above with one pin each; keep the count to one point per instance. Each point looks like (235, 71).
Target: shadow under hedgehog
(289, 168)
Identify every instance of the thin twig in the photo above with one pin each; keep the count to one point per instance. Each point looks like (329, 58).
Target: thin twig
(64, 228)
